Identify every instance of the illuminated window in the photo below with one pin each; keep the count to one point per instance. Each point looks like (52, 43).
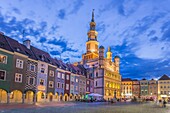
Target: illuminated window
(96, 47)
(77, 80)
(3, 59)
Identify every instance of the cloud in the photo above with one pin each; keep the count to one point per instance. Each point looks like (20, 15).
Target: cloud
(61, 14)
(137, 31)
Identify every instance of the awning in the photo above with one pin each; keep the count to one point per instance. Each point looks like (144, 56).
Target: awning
(95, 95)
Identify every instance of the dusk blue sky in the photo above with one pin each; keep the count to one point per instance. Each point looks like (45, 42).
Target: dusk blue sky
(137, 30)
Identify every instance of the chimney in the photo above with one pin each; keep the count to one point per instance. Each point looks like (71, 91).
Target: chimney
(27, 43)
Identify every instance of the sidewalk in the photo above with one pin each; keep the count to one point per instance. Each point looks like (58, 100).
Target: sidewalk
(36, 105)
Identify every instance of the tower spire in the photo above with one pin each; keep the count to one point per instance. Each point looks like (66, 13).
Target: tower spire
(109, 49)
(92, 16)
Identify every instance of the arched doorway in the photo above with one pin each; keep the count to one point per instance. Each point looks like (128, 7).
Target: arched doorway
(66, 97)
(56, 97)
(29, 96)
(61, 97)
(71, 97)
(16, 96)
(3, 96)
(50, 97)
(41, 96)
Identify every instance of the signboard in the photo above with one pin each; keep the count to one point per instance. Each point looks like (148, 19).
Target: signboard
(40, 87)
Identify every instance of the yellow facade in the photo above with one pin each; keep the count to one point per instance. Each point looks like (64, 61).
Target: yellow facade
(163, 89)
(112, 84)
(126, 89)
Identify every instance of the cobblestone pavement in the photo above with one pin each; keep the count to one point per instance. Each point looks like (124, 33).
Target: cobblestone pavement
(79, 107)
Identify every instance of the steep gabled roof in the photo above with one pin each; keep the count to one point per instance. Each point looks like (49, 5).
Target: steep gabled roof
(41, 55)
(4, 43)
(15, 45)
(126, 79)
(28, 52)
(164, 77)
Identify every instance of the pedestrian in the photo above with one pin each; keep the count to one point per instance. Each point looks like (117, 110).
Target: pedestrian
(164, 103)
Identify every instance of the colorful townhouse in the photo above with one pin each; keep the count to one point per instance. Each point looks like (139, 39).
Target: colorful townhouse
(153, 89)
(6, 69)
(18, 77)
(163, 88)
(60, 80)
(42, 74)
(126, 88)
(31, 73)
(144, 88)
(51, 80)
(135, 88)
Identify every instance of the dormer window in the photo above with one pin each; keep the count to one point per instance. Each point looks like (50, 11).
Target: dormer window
(1, 44)
(42, 57)
(18, 49)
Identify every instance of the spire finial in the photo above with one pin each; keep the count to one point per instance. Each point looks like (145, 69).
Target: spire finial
(109, 49)
(92, 16)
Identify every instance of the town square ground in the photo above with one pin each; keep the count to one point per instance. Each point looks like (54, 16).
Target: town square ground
(79, 107)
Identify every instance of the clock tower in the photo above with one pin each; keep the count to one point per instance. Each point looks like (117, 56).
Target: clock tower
(92, 43)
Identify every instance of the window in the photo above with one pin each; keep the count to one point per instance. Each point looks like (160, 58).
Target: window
(63, 76)
(19, 63)
(96, 83)
(18, 77)
(3, 59)
(67, 86)
(87, 82)
(58, 75)
(42, 81)
(96, 74)
(76, 87)
(72, 87)
(51, 84)
(164, 86)
(32, 67)
(88, 46)
(62, 86)
(67, 77)
(31, 81)
(51, 73)
(77, 80)
(42, 70)
(58, 85)
(87, 88)
(2, 75)
(72, 79)
(164, 92)
(96, 47)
